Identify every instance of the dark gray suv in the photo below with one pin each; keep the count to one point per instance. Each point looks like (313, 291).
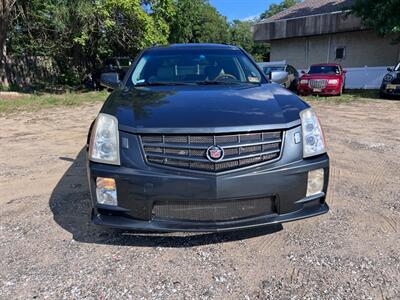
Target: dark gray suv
(196, 138)
(391, 82)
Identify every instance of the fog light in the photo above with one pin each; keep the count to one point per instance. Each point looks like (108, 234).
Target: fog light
(106, 191)
(315, 182)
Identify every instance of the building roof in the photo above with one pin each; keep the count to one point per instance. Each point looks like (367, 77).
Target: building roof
(309, 18)
(311, 8)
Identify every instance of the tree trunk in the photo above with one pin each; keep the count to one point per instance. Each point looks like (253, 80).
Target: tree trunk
(4, 82)
(5, 8)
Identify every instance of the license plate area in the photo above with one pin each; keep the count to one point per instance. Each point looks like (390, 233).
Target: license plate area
(317, 90)
(393, 87)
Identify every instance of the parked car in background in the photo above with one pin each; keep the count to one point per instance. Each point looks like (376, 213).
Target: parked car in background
(119, 65)
(391, 82)
(322, 79)
(195, 138)
(281, 73)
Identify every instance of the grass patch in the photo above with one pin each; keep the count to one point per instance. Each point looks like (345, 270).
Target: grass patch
(34, 102)
(347, 97)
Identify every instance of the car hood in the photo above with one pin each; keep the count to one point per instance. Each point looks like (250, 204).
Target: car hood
(204, 108)
(321, 76)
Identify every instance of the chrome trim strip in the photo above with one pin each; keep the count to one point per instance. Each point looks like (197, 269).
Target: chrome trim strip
(210, 130)
(311, 198)
(205, 147)
(187, 158)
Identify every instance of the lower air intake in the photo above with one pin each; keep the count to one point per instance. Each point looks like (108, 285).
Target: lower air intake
(212, 211)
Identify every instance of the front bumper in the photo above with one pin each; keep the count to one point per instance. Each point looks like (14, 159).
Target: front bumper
(139, 189)
(388, 90)
(327, 91)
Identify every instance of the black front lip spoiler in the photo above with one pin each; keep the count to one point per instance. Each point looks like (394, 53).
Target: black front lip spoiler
(312, 208)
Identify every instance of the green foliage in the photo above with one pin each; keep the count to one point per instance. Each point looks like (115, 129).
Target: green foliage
(196, 21)
(349, 97)
(277, 8)
(80, 34)
(381, 15)
(241, 35)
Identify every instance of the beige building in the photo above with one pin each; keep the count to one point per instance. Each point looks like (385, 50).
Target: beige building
(322, 31)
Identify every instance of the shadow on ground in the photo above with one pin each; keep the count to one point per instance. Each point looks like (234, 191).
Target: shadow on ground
(70, 205)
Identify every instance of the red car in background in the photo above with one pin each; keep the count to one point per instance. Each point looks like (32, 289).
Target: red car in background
(322, 79)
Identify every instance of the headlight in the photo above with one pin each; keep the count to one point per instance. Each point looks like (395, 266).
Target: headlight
(313, 137)
(333, 81)
(304, 81)
(104, 140)
(388, 77)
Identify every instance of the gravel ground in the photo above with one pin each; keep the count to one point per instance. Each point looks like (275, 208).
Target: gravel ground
(49, 250)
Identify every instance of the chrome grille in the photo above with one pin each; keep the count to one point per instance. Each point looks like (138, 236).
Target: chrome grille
(189, 151)
(318, 83)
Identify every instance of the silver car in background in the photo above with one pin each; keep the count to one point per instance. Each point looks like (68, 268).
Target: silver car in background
(282, 73)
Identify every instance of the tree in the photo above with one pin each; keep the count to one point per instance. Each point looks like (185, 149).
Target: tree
(196, 21)
(381, 15)
(241, 35)
(273, 9)
(80, 34)
(5, 8)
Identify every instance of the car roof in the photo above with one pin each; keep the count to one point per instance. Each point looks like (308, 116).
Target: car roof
(193, 46)
(272, 64)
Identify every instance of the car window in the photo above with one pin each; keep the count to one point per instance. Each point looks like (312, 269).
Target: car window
(194, 66)
(324, 70)
(268, 70)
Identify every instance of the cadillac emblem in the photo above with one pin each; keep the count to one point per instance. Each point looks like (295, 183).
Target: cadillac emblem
(215, 153)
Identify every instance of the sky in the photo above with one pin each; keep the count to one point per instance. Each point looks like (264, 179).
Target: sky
(242, 9)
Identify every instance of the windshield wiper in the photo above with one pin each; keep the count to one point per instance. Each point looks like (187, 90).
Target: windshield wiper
(161, 83)
(212, 82)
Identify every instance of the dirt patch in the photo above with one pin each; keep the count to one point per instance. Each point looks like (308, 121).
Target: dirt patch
(50, 250)
(10, 95)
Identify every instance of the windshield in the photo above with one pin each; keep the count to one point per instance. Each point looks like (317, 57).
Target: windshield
(324, 70)
(200, 66)
(397, 68)
(268, 70)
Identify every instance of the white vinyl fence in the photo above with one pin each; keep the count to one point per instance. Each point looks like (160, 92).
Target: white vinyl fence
(365, 78)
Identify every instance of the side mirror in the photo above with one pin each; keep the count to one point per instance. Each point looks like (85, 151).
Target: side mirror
(344, 71)
(303, 72)
(279, 76)
(110, 80)
(390, 69)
